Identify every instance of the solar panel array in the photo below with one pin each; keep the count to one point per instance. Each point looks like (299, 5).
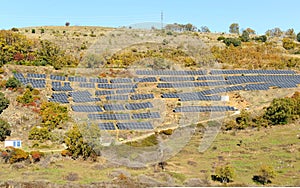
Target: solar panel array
(204, 109)
(86, 108)
(118, 107)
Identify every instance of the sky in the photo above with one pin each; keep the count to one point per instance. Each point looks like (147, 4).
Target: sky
(217, 15)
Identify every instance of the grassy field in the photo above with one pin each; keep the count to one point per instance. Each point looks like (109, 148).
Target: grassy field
(277, 147)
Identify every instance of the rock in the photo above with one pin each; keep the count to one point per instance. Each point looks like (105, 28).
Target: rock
(118, 172)
(195, 182)
(149, 181)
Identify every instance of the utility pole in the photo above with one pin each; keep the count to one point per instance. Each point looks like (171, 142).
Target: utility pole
(161, 20)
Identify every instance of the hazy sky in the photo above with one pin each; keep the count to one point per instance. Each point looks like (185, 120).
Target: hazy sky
(260, 15)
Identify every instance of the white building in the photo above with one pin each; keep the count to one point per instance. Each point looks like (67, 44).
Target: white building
(13, 143)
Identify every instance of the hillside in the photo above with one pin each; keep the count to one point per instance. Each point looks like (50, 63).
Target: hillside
(118, 106)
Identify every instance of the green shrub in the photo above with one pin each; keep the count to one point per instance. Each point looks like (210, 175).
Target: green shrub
(245, 36)
(53, 115)
(12, 82)
(4, 102)
(32, 30)
(265, 174)
(17, 155)
(26, 98)
(224, 174)
(220, 38)
(232, 41)
(288, 44)
(261, 38)
(40, 134)
(4, 129)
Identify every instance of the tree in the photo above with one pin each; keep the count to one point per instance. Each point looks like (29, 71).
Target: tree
(4, 102)
(265, 174)
(12, 82)
(298, 37)
(290, 33)
(276, 32)
(245, 36)
(205, 29)
(4, 129)
(67, 24)
(224, 174)
(250, 31)
(234, 28)
(76, 144)
(288, 44)
(53, 115)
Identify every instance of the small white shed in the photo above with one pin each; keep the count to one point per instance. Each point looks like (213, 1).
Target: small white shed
(13, 143)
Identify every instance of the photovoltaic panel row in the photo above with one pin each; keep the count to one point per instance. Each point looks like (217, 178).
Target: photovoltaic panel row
(87, 85)
(114, 116)
(125, 91)
(104, 92)
(204, 109)
(98, 80)
(57, 86)
(200, 98)
(252, 72)
(222, 90)
(142, 96)
(77, 79)
(57, 77)
(117, 86)
(82, 97)
(120, 80)
(117, 97)
(190, 84)
(252, 87)
(19, 76)
(59, 97)
(176, 79)
(210, 78)
(147, 115)
(146, 79)
(107, 126)
(266, 78)
(170, 72)
(113, 107)
(134, 126)
(86, 108)
(138, 106)
(34, 75)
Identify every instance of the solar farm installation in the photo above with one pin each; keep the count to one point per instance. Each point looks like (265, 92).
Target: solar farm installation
(140, 102)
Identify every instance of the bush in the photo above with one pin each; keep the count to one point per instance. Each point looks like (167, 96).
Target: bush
(32, 30)
(26, 98)
(36, 155)
(245, 36)
(288, 44)
(220, 38)
(4, 102)
(15, 29)
(265, 174)
(167, 132)
(76, 145)
(53, 115)
(66, 153)
(224, 174)
(262, 38)
(4, 129)
(298, 37)
(17, 155)
(12, 82)
(232, 41)
(40, 134)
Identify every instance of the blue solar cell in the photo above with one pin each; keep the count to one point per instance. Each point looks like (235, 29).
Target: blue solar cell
(147, 115)
(138, 106)
(134, 126)
(106, 126)
(113, 107)
(142, 96)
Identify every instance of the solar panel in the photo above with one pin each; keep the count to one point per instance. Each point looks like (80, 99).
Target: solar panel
(117, 97)
(125, 91)
(147, 115)
(35, 75)
(142, 96)
(57, 77)
(138, 106)
(134, 126)
(82, 97)
(106, 126)
(114, 116)
(204, 109)
(113, 107)
(121, 80)
(77, 79)
(86, 108)
(59, 97)
(170, 72)
(176, 79)
(98, 80)
(104, 92)
(116, 86)
(147, 79)
(87, 85)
